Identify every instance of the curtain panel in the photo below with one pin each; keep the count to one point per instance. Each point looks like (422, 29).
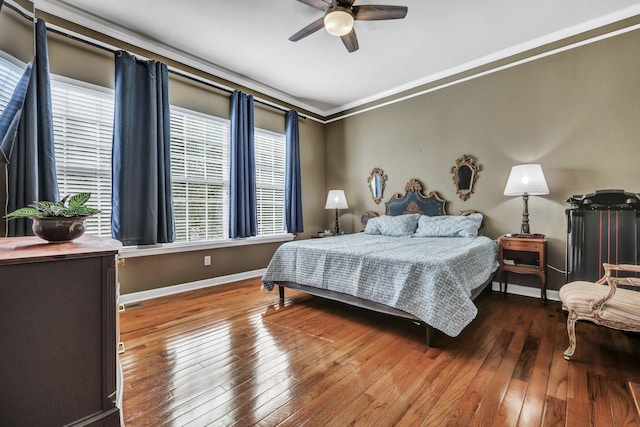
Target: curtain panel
(292, 183)
(142, 204)
(243, 210)
(10, 117)
(32, 167)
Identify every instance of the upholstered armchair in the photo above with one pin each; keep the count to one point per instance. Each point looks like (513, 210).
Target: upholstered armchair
(603, 302)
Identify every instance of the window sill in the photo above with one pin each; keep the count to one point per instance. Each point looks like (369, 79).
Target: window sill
(169, 248)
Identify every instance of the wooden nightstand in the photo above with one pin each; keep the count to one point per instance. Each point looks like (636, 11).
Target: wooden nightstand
(523, 255)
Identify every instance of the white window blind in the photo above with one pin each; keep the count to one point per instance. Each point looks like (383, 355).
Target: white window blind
(10, 73)
(83, 130)
(199, 175)
(270, 164)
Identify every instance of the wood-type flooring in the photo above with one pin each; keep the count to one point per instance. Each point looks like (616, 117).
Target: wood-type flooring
(233, 355)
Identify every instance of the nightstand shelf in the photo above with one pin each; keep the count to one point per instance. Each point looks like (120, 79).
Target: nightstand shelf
(523, 255)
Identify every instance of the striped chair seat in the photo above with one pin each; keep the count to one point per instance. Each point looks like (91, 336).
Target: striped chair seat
(602, 303)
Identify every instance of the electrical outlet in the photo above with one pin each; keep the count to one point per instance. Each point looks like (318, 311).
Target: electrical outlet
(207, 260)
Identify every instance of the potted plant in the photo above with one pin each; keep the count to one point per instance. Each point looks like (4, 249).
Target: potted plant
(58, 221)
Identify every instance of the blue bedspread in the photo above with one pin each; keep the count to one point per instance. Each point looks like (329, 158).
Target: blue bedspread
(429, 277)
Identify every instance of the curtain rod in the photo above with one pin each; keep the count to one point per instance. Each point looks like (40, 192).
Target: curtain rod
(172, 70)
(18, 10)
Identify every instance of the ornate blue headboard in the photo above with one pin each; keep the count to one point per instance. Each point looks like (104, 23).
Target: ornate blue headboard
(414, 201)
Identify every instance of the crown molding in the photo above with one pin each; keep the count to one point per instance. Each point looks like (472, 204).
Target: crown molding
(61, 10)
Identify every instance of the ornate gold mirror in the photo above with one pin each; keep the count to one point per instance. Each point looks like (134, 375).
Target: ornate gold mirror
(465, 174)
(377, 181)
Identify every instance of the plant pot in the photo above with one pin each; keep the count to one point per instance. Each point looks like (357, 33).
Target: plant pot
(59, 229)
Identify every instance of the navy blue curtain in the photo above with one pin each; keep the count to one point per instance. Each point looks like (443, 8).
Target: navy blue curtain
(243, 211)
(142, 204)
(32, 166)
(10, 117)
(292, 184)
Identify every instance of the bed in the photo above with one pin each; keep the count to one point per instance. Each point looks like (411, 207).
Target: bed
(415, 262)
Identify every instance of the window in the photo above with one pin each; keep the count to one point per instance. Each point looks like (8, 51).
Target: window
(199, 175)
(270, 165)
(83, 131)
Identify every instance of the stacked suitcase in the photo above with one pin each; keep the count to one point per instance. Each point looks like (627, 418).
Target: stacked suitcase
(603, 226)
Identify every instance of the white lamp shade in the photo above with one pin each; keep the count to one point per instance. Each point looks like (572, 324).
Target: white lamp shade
(338, 22)
(336, 200)
(526, 179)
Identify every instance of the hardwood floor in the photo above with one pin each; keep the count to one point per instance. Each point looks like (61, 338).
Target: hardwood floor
(231, 355)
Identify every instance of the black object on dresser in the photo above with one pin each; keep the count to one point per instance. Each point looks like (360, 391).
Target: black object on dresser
(603, 226)
(58, 330)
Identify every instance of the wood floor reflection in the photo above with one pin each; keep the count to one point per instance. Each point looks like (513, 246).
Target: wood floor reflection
(231, 355)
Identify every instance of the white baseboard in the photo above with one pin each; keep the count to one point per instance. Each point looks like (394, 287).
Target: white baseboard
(526, 291)
(184, 287)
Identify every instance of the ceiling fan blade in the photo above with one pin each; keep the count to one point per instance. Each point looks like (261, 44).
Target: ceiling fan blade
(372, 12)
(350, 41)
(308, 30)
(317, 4)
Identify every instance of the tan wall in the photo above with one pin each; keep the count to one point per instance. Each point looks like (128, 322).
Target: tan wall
(16, 35)
(577, 113)
(80, 61)
(151, 272)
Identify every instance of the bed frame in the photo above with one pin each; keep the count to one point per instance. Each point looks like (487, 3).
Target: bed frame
(412, 202)
(370, 305)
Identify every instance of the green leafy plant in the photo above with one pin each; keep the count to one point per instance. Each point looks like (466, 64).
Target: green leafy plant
(68, 207)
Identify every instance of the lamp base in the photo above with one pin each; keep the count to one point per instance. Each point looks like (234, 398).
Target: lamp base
(524, 229)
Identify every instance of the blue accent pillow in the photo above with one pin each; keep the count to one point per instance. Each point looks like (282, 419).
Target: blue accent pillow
(393, 226)
(449, 226)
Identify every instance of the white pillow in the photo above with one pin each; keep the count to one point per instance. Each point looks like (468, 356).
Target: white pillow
(373, 226)
(449, 226)
(394, 226)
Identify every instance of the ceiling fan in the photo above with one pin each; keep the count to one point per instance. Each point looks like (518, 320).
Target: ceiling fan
(339, 16)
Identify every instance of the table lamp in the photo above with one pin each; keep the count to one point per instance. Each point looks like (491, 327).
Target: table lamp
(526, 180)
(336, 200)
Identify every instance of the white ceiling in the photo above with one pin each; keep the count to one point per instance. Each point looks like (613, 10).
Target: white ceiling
(246, 41)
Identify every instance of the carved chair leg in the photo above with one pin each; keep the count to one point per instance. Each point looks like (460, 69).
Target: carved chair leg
(571, 331)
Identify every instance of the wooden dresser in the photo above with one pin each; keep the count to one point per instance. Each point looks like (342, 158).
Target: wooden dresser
(58, 331)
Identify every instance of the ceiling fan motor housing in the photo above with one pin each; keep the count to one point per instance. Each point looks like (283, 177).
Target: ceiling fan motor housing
(338, 21)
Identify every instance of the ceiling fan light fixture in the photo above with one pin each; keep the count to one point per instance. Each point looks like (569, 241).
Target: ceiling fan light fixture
(338, 21)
